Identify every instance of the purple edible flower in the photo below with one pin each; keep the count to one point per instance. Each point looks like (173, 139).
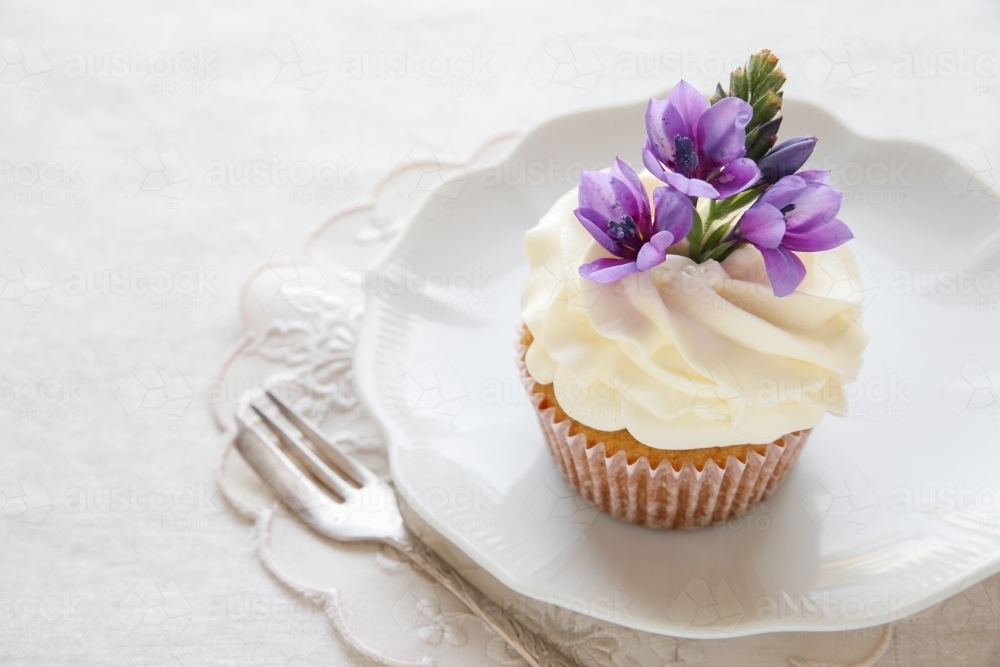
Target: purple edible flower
(798, 213)
(785, 159)
(698, 148)
(614, 208)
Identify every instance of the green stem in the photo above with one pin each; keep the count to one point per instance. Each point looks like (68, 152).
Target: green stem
(716, 237)
(696, 234)
(704, 240)
(726, 249)
(736, 202)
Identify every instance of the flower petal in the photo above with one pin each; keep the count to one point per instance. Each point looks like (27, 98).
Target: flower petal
(650, 255)
(597, 226)
(737, 176)
(785, 158)
(693, 187)
(597, 193)
(653, 163)
(762, 225)
(608, 269)
(673, 212)
(814, 207)
(827, 236)
(659, 144)
(623, 171)
(663, 240)
(784, 270)
(814, 175)
(631, 194)
(685, 106)
(722, 133)
(784, 192)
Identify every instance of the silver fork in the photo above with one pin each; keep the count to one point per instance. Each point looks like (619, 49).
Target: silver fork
(339, 498)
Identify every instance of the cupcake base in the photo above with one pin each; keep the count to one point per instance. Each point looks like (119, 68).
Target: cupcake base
(673, 493)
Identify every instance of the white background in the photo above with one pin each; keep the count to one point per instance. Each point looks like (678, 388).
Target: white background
(72, 429)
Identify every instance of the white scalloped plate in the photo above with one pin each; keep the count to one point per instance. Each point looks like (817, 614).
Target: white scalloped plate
(887, 511)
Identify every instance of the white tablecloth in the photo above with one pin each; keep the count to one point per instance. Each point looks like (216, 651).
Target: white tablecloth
(153, 154)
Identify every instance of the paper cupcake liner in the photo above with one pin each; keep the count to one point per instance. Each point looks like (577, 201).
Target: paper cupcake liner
(661, 497)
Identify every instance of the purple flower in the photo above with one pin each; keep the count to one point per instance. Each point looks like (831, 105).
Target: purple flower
(785, 159)
(697, 148)
(614, 208)
(798, 213)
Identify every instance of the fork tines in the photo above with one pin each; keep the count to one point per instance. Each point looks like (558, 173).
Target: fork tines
(334, 469)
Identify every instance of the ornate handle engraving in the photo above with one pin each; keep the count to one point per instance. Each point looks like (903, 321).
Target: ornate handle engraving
(535, 651)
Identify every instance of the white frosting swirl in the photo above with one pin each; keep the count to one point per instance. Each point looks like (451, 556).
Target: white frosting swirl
(686, 355)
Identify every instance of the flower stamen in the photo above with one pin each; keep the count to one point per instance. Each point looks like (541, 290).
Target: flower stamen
(686, 159)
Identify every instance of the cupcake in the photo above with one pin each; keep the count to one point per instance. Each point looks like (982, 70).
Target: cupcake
(685, 329)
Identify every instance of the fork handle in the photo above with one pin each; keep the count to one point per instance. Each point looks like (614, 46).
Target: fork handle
(536, 651)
